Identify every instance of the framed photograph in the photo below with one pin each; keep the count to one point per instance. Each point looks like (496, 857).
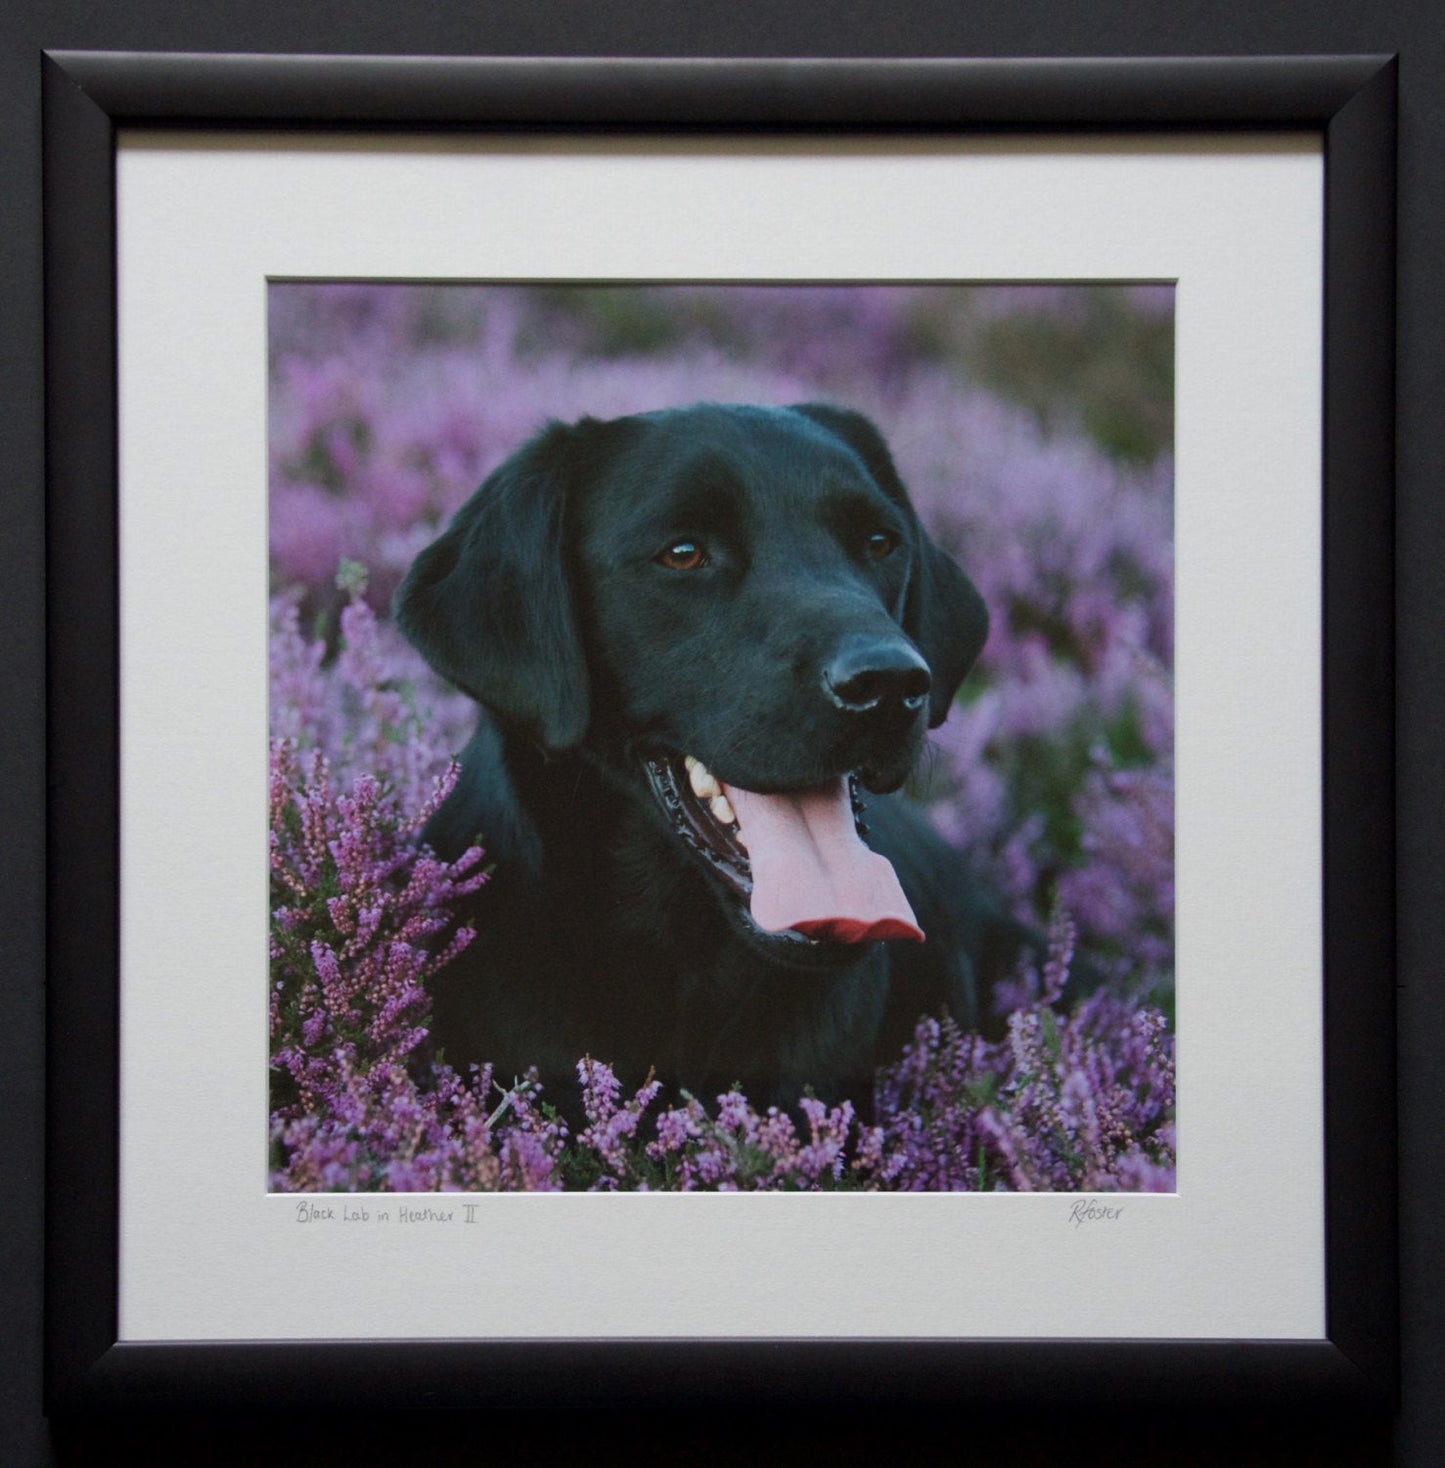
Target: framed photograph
(809, 646)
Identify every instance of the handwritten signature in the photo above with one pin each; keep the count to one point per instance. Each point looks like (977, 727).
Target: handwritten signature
(1090, 1210)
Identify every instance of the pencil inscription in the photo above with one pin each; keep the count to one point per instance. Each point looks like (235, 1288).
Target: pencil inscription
(1090, 1210)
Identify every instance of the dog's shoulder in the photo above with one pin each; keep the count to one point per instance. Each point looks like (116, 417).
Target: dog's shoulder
(484, 809)
(972, 941)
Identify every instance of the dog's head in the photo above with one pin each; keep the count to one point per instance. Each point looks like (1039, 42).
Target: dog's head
(727, 605)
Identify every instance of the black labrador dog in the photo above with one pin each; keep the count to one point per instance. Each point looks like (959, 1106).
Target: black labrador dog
(698, 637)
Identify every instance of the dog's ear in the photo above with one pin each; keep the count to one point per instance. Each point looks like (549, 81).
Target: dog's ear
(490, 604)
(942, 611)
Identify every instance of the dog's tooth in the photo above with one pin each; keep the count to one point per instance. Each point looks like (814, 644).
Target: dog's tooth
(703, 781)
(722, 810)
(689, 762)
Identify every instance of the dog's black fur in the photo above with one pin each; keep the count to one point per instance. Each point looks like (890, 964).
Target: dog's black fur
(694, 581)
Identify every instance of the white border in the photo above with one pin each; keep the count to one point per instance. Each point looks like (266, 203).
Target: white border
(203, 221)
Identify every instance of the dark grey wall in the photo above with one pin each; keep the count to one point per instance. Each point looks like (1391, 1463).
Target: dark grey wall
(1413, 28)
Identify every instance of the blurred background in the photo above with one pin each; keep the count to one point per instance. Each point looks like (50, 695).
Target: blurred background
(1033, 425)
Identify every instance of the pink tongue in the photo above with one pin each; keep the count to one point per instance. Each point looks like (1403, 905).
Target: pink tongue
(812, 873)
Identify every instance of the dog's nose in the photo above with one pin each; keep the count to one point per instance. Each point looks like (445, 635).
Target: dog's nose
(875, 672)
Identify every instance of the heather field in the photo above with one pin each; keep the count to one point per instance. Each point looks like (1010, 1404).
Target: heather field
(1033, 426)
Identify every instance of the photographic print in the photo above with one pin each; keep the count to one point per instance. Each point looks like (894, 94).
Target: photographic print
(722, 737)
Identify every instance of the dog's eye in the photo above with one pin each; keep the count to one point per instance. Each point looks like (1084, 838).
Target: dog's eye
(683, 555)
(881, 543)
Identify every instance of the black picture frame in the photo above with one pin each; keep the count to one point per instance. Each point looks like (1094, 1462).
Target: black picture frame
(1350, 100)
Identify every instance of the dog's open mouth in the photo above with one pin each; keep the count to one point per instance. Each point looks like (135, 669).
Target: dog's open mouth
(796, 860)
